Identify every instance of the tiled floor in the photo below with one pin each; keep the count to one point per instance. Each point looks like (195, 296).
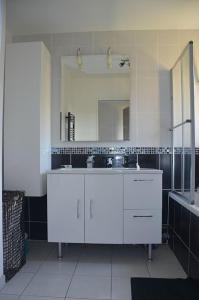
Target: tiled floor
(87, 272)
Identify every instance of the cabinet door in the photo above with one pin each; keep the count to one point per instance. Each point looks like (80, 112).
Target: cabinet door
(65, 208)
(104, 209)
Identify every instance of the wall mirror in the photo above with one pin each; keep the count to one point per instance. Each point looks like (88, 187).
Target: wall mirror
(95, 94)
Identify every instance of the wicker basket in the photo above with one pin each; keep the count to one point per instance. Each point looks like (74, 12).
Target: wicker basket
(13, 233)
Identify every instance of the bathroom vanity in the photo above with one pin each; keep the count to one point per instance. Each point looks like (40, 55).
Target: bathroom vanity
(105, 206)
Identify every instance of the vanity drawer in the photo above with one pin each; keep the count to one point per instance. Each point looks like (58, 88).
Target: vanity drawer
(143, 191)
(142, 226)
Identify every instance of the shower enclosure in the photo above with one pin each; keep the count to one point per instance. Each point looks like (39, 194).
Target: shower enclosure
(183, 125)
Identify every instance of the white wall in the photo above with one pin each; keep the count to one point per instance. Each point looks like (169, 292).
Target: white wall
(153, 53)
(2, 48)
(27, 118)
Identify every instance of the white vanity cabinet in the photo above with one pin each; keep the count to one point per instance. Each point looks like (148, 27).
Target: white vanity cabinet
(104, 209)
(105, 206)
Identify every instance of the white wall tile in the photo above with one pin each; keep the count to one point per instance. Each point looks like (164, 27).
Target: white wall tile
(148, 97)
(168, 37)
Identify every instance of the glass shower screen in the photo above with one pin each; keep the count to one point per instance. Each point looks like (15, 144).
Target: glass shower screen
(183, 125)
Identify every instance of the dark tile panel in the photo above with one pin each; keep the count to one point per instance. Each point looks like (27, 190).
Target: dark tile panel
(171, 213)
(26, 209)
(177, 172)
(131, 160)
(38, 230)
(100, 161)
(165, 165)
(38, 208)
(79, 160)
(182, 222)
(59, 159)
(187, 172)
(194, 268)
(165, 207)
(149, 161)
(171, 222)
(194, 235)
(27, 229)
(197, 171)
(181, 253)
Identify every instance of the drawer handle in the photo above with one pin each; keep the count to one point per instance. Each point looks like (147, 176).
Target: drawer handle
(78, 213)
(149, 216)
(141, 180)
(91, 209)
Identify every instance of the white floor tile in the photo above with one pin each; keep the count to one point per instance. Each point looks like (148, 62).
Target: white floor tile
(39, 298)
(17, 284)
(163, 270)
(48, 285)
(129, 254)
(9, 297)
(94, 268)
(31, 267)
(57, 267)
(95, 253)
(121, 288)
(164, 254)
(130, 269)
(90, 287)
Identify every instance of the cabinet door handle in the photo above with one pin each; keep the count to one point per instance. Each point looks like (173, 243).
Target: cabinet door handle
(142, 180)
(78, 213)
(91, 209)
(146, 216)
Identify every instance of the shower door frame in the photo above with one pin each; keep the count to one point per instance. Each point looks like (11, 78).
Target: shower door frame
(188, 48)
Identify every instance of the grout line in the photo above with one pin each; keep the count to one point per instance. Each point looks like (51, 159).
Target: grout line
(111, 270)
(78, 260)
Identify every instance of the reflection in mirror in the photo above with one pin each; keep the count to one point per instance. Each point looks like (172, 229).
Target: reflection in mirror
(95, 98)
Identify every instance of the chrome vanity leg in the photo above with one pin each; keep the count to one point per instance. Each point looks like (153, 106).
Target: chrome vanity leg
(60, 251)
(150, 252)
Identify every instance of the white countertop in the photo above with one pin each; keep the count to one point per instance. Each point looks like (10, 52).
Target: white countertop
(104, 171)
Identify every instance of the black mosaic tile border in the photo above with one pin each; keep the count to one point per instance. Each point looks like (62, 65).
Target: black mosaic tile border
(112, 150)
(119, 150)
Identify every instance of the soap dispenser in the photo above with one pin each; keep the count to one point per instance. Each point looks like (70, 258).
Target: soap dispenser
(90, 161)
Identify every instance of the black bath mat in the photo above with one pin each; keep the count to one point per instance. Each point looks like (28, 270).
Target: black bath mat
(164, 289)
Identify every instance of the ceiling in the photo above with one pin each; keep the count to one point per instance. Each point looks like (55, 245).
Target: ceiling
(56, 16)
